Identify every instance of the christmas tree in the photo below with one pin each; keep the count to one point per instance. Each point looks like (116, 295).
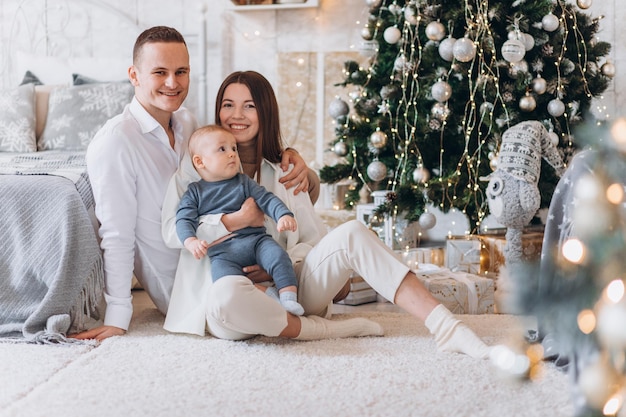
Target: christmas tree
(445, 79)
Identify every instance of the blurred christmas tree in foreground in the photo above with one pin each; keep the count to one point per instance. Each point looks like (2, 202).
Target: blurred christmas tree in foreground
(445, 79)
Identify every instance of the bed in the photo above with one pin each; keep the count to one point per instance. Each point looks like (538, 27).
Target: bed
(61, 81)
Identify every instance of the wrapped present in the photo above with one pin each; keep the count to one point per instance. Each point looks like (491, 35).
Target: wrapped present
(360, 292)
(460, 292)
(492, 253)
(463, 254)
(414, 257)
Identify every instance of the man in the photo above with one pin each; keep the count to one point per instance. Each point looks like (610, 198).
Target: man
(130, 162)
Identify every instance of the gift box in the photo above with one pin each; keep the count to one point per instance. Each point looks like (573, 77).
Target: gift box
(463, 254)
(414, 257)
(492, 251)
(360, 292)
(460, 292)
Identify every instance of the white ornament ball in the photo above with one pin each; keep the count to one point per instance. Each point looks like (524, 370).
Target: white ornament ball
(420, 175)
(540, 85)
(435, 31)
(527, 103)
(611, 328)
(441, 91)
(513, 50)
(378, 139)
(493, 164)
(373, 3)
(394, 9)
(608, 69)
(340, 148)
(376, 170)
(427, 221)
(464, 50)
(392, 35)
(528, 40)
(598, 382)
(583, 4)
(556, 108)
(550, 22)
(410, 14)
(446, 48)
(338, 108)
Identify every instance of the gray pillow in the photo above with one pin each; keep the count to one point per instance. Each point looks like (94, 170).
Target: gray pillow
(17, 119)
(76, 113)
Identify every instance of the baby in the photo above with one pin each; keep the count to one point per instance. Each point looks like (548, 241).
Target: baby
(223, 189)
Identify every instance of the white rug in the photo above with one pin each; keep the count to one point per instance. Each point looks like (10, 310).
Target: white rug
(150, 372)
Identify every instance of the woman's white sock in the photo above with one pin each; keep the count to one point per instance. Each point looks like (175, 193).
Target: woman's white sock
(452, 335)
(315, 328)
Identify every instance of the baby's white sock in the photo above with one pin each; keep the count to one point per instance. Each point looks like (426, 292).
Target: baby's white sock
(315, 328)
(452, 335)
(289, 301)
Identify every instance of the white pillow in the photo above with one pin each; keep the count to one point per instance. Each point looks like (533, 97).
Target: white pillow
(17, 119)
(76, 113)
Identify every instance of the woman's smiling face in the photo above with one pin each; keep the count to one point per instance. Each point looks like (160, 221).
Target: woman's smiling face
(238, 113)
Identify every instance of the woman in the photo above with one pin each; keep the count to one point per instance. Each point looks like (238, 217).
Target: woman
(233, 308)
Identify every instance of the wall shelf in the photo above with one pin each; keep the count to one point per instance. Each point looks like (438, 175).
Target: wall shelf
(233, 5)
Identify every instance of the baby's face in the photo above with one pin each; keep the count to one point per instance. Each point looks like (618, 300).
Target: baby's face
(218, 158)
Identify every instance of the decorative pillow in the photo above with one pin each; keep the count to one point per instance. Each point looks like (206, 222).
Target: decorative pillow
(80, 79)
(17, 119)
(30, 78)
(76, 113)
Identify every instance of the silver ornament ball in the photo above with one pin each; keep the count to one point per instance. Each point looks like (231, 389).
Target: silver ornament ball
(583, 4)
(441, 91)
(340, 148)
(540, 85)
(513, 50)
(446, 48)
(427, 221)
(376, 170)
(550, 22)
(338, 108)
(556, 108)
(554, 138)
(435, 31)
(528, 40)
(392, 35)
(464, 50)
(367, 34)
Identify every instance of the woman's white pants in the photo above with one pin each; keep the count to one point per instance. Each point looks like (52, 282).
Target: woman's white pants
(237, 310)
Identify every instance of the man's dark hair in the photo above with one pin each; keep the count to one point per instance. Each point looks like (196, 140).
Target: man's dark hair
(156, 34)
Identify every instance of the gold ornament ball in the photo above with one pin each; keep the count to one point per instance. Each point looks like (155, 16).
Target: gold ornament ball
(608, 69)
(527, 103)
(378, 139)
(583, 4)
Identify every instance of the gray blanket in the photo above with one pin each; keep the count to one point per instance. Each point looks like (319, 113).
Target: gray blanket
(51, 274)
